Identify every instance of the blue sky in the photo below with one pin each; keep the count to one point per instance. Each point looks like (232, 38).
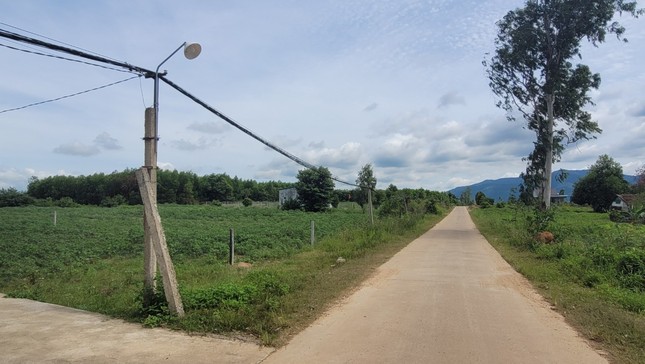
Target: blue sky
(398, 84)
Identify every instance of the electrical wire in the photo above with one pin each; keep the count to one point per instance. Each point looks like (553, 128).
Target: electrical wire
(54, 40)
(68, 96)
(65, 58)
(247, 131)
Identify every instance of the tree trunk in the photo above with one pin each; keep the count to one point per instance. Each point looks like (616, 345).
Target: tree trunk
(548, 163)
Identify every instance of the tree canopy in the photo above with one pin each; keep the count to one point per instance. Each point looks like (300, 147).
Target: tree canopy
(315, 188)
(600, 187)
(531, 72)
(365, 180)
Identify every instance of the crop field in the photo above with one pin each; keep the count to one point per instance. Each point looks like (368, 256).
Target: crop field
(92, 258)
(593, 272)
(32, 246)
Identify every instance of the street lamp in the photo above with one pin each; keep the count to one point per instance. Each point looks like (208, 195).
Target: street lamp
(191, 51)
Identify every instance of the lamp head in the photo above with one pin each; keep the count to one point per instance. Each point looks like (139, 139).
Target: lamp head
(192, 50)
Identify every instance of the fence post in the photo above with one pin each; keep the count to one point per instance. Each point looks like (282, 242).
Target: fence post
(313, 232)
(55, 217)
(231, 247)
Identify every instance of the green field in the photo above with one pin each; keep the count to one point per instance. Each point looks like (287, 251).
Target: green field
(593, 273)
(92, 259)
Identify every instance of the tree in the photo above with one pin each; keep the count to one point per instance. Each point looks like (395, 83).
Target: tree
(315, 188)
(481, 199)
(600, 187)
(365, 180)
(639, 186)
(465, 198)
(531, 73)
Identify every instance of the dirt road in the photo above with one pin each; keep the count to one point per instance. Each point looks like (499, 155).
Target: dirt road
(448, 297)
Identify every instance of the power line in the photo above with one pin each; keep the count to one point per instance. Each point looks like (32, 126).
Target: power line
(74, 52)
(63, 58)
(247, 131)
(54, 40)
(68, 96)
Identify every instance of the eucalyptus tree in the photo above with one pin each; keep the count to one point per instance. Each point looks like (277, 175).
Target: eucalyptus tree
(365, 180)
(532, 74)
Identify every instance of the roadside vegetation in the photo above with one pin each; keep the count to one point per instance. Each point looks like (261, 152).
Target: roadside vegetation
(92, 258)
(593, 272)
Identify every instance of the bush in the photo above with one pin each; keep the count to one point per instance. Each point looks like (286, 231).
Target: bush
(292, 204)
(11, 197)
(247, 202)
(113, 201)
(631, 269)
(66, 202)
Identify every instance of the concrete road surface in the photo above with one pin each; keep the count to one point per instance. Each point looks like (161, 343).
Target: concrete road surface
(36, 332)
(448, 297)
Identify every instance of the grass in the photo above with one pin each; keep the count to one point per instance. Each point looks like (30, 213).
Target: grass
(591, 274)
(92, 259)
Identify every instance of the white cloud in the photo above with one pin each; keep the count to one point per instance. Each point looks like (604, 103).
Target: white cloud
(77, 149)
(451, 98)
(105, 141)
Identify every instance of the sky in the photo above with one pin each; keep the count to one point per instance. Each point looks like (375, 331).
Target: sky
(339, 83)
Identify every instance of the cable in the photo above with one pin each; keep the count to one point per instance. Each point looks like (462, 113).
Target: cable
(247, 131)
(55, 40)
(74, 52)
(68, 96)
(64, 58)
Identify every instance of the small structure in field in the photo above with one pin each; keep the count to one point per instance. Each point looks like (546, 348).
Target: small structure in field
(287, 194)
(623, 202)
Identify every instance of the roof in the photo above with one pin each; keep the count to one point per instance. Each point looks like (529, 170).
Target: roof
(627, 198)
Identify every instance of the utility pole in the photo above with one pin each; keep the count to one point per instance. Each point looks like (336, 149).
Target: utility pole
(150, 164)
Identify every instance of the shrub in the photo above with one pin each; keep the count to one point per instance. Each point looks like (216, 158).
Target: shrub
(66, 202)
(292, 204)
(247, 202)
(11, 197)
(113, 201)
(631, 269)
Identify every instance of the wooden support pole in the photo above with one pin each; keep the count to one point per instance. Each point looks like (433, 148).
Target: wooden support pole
(150, 164)
(159, 242)
(231, 247)
(313, 232)
(369, 201)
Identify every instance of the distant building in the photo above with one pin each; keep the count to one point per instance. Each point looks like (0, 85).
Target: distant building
(623, 202)
(286, 195)
(558, 199)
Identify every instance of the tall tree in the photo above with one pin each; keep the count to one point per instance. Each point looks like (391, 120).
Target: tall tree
(600, 187)
(531, 72)
(365, 180)
(315, 188)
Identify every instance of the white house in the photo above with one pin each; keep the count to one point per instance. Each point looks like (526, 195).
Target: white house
(623, 202)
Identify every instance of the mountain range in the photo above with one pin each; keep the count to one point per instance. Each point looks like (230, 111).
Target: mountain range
(500, 189)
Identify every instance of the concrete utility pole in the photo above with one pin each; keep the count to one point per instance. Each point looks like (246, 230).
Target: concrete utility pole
(150, 164)
(159, 246)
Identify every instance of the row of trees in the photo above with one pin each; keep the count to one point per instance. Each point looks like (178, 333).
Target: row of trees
(316, 192)
(315, 188)
(173, 187)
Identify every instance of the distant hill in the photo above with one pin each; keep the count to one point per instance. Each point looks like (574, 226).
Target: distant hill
(500, 189)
